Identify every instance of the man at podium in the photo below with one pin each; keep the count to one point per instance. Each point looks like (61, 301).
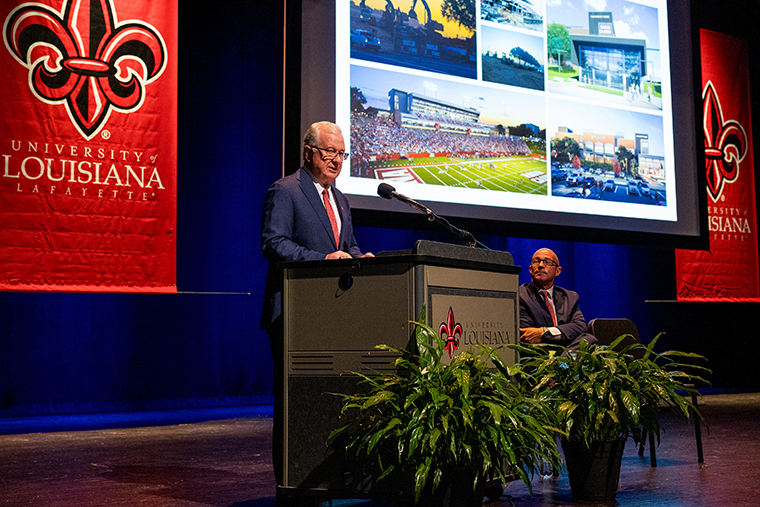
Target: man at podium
(305, 218)
(548, 313)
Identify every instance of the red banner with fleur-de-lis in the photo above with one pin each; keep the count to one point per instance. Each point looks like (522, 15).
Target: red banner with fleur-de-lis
(729, 270)
(88, 145)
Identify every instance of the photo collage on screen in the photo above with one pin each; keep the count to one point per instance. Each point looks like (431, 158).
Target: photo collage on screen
(543, 98)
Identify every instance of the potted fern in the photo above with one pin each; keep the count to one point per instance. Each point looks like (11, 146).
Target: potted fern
(602, 396)
(438, 430)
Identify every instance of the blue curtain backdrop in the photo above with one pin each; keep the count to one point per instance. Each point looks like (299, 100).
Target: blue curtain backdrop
(82, 353)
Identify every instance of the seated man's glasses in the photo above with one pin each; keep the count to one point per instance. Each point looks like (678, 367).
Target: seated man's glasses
(329, 154)
(547, 262)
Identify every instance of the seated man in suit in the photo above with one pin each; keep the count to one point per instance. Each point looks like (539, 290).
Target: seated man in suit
(305, 218)
(548, 313)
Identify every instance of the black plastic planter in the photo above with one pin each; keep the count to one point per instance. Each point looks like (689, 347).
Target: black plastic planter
(594, 472)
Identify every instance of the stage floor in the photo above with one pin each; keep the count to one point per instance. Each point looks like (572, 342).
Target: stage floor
(227, 463)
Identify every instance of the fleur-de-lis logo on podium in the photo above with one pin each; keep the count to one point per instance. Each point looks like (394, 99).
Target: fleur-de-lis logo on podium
(725, 144)
(84, 59)
(451, 331)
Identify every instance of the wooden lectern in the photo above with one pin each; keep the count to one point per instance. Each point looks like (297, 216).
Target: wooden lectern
(336, 311)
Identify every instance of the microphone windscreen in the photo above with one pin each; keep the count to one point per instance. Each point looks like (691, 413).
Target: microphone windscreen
(385, 190)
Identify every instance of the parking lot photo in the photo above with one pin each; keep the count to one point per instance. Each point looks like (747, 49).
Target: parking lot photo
(606, 186)
(607, 154)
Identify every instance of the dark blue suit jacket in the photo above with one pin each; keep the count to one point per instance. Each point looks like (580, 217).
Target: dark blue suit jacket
(570, 320)
(295, 227)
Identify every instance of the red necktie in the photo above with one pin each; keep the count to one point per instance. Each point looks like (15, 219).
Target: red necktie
(549, 305)
(331, 215)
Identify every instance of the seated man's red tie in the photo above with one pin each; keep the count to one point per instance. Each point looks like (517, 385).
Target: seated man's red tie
(550, 306)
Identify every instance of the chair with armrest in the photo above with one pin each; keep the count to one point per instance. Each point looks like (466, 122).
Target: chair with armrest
(607, 331)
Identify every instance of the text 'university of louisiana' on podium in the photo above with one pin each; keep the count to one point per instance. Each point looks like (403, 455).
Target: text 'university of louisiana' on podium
(336, 312)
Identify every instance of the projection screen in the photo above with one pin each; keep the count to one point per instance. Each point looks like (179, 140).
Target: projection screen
(573, 119)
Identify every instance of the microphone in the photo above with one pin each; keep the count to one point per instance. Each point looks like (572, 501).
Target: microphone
(388, 192)
(385, 190)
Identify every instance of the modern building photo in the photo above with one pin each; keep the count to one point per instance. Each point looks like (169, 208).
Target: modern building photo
(590, 59)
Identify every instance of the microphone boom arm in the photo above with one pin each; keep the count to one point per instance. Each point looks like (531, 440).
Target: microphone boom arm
(466, 236)
(388, 192)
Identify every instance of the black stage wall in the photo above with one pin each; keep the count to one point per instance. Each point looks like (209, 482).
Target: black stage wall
(79, 353)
